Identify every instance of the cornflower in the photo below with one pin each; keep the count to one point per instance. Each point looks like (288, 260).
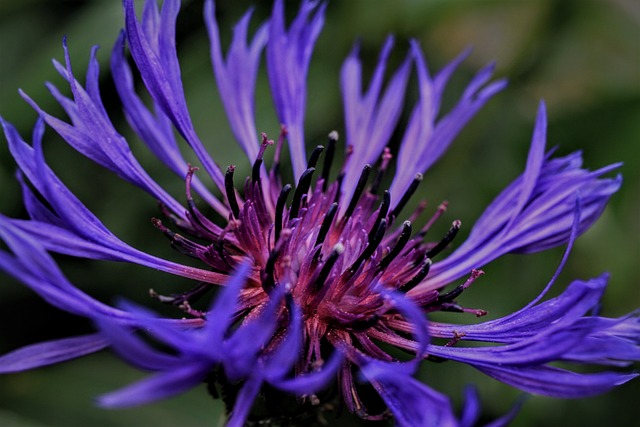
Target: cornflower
(325, 279)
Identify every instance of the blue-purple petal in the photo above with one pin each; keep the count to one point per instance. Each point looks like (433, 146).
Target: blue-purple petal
(288, 57)
(51, 352)
(236, 77)
(155, 55)
(556, 382)
(157, 387)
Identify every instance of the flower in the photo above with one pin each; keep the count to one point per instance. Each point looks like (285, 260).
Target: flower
(322, 283)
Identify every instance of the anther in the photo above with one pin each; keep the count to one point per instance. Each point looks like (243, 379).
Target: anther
(451, 295)
(451, 234)
(407, 195)
(267, 275)
(371, 247)
(191, 204)
(326, 223)
(382, 213)
(191, 295)
(362, 325)
(282, 199)
(415, 280)
(275, 168)
(441, 209)
(384, 163)
(315, 155)
(255, 172)
(303, 186)
(231, 192)
(455, 308)
(190, 172)
(288, 299)
(328, 265)
(178, 242)
(362, 182)
(328, 159)
(268, 279)
(206, 227)
(402, 241)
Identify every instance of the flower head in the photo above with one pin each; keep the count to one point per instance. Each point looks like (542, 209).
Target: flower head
(325, 275)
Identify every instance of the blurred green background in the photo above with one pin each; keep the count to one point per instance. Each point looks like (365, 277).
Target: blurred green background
(582, 57)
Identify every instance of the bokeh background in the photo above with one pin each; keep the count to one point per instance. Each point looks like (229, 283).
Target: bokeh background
(581, 56)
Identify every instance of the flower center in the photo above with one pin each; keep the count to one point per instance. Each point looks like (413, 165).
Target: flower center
(332, 254)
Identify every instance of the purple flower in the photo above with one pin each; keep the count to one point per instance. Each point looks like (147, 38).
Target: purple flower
(323, 280)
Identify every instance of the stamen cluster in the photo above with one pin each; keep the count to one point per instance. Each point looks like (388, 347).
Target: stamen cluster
(337, 260)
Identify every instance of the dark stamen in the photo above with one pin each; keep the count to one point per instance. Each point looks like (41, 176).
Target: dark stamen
(326, 223)
(288, 299)
(255, 172)
(407, 195)
(339, 181)
(382, 213)
(385, 159)
(441, 209)
(426, 265)
(231, 192)
(267, 275)
(191, 295)
(362, 182)
(362, 325)
(451, 295)
(455, 308)
(282, 199)
(328, 159)
(303, 186)
(451, 234)
(402, 241)
(371, 247)
(178, 242)
(191, 204)
(275, 168)
(328, 265)
(315, 155)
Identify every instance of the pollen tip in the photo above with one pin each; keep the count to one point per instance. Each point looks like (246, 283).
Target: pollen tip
(338, 248)
(477, 273)
(333, 135)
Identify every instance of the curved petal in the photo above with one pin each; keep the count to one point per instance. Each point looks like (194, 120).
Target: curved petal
(157, 387)
(50, 352)
(411, 402)
(154, 129)
(532, 214)
(236, 76)
(370, 118)
(288, 56)
(154, 52)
